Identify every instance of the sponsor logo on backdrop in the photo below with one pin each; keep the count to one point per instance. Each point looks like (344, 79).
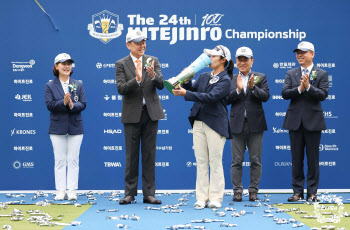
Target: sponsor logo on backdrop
(163, 97)
(22, 66)
(23, 115)
(22, 132)
(165, 116)
(282, 147)
(325, 65)
(23, 148)
(277, 97)
(163, 131)
(284, 65)
(330, 97)
(100, 65)
(105, 26)
(109, 81)
(190, 164)
(113, 97)
(329, 114)
(324, 147)
(162, 164)
(283, 164)
(24, 165)
(329, 131)
(164, 148)
(113, 164)
(112, 131)
(23, 81)
(112, 148)
(279, 81)
(279, 130)
(289, 164)
(280, 114)
(112, 114)
(23, 97)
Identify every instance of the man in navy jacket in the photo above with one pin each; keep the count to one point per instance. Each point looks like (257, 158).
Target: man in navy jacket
(248, 123)
(305, 86)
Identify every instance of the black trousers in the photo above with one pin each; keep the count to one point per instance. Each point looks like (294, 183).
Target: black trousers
(299, 140)
(145, 132)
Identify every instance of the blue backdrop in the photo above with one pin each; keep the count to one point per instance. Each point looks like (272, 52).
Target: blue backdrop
(178, 32)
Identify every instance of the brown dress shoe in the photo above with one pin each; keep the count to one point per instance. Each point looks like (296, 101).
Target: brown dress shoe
(151, 200)
(296, 197)
(126, 200)
(312, 197)
(253, 196)
(237, 197)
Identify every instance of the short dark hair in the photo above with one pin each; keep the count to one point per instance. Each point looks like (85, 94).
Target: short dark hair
(57, 73)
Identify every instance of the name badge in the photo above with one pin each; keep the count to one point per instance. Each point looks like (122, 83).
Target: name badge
(76, 98)
(214, 80)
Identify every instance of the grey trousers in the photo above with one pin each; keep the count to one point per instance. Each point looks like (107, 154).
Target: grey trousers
(239, 143)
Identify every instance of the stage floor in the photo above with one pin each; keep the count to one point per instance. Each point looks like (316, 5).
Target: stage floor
(90, 218)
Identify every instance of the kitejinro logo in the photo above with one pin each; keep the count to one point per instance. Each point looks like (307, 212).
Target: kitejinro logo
(177, 28)
(105, 26)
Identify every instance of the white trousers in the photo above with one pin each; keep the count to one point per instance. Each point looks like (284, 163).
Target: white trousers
(208, 150)
(66, 149)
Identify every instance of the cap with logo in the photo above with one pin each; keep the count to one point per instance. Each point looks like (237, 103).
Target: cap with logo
(219, 50)
(135, 36)
(305, 46)
(62, 58)
(245, 52)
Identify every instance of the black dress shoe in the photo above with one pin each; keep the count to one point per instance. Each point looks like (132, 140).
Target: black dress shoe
(296, 197)
(151, 200)
(237, 197)
(253, 196)
(312, 197)
(126, 200)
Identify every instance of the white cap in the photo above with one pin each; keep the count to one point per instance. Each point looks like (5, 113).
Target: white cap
(244, 51)
(135, 36)
(62, 58)
(219, 50)
(305, 46)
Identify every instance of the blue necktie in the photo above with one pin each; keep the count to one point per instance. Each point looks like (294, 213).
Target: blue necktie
(305, 71)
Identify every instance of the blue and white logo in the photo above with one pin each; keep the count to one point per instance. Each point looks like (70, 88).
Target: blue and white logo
(105, 26)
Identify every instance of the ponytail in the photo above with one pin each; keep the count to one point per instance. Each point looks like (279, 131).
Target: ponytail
(230, 67)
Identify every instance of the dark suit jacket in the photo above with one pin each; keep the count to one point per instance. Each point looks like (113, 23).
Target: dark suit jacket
(251, 102)
(305, 107)
(63, 120)
(210, 105)
(133, 92)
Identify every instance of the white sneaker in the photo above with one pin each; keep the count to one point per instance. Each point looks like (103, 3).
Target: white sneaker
(72, 195)
(199, 205)
(60, 195)
(214, 204)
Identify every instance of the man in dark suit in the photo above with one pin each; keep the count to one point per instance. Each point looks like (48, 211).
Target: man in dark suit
(247, 122)
(137, 77)
(306, 87)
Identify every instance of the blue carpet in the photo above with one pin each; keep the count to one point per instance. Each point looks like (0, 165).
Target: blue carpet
(154, 219)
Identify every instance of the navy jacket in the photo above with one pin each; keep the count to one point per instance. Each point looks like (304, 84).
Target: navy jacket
(210, 105)
(251, 102)
(63, 120)
(306, 107)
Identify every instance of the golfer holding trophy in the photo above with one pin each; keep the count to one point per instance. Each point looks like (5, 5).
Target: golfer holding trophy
(209, 119)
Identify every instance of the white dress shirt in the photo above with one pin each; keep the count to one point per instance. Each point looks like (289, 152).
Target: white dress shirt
(65, 88)
(245, 80)
(308, 72)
